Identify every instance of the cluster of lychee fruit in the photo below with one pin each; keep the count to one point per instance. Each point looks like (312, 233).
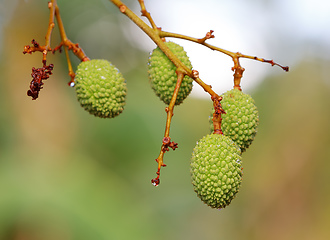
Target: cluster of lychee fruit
(101, 89)
(216, 163)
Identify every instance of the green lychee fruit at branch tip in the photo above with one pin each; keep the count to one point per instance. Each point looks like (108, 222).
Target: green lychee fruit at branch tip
(241, 120)
(162, 74)
(216, 170)
(101, 88)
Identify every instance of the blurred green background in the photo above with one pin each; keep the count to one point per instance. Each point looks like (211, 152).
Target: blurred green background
(65, 174)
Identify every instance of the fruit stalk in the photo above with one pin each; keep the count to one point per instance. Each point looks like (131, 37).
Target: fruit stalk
(167, 140)
(65, 41)
(238, 73)
(169, 109)
(217, 119)
(68, 45)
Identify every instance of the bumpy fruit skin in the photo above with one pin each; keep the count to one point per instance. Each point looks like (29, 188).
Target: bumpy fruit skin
(216, 171)
(161, 72)
(241, 120)
(101, 88)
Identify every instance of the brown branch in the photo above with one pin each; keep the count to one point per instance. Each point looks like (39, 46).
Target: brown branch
(229, 53)
(36, 47)
(155, 35)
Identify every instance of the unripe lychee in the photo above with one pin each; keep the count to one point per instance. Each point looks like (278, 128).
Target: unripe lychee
(216, 170)
(101, 88)
(241, 120)
(162, 75)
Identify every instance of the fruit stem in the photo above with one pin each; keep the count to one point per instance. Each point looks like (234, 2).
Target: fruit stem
(65, 41)
(71, 72)
(217, 119)
(68, 45)
(167, 140)
(238, 73)
(170, 108)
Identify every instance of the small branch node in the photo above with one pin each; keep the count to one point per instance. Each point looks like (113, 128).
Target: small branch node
(195, 73)
(166, 140)
(208, 35)
(123, 8)
(57, 48)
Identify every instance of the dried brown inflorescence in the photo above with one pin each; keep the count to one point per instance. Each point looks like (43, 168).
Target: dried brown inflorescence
(38, 75)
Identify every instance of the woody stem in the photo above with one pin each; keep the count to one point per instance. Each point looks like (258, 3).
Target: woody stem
(154, 35)
(51, 25)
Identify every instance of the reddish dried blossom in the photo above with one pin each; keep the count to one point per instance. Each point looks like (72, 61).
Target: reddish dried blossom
(173, 145)
(38, 75)
(35, 43)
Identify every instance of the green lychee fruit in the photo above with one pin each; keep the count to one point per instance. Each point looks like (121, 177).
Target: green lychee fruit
(101, 88)
(216, 170)
(241, 120)
(161, 72)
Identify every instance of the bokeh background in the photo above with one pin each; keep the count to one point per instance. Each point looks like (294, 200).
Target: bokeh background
(65, 174)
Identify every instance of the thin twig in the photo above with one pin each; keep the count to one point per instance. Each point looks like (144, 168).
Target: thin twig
(146, 14)
(167, 140)
(229, 53)
(65, 41)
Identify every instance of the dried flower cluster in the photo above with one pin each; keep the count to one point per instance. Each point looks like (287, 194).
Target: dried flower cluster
(38, 75)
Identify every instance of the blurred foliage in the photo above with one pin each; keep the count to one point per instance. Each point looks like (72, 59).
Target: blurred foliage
(65, 174)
